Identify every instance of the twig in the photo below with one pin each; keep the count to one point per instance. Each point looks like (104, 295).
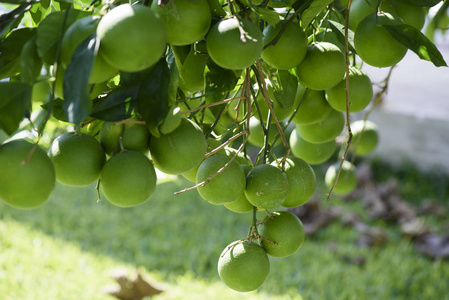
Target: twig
(211, 104)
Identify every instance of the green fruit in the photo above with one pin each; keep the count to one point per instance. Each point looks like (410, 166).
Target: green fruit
(226, 47)
(301, 181)
(243, 266)
(313, 154)
(283, 234)
(412, 15)
(128, 178)
(28, 177)
(313, 108)
(218, 190)
(193, 76)
(324, 131)
(241, 205)
(266, 186)
(256, 136)
(360, 92)
(241, 158)
(135, 136)
(289, 50)
(179, 151)
(364, 137)
(323, 67)
(374, 44)
(362, 8)
(347, 181)
(77, 158)
(187, 21)
(132, 38)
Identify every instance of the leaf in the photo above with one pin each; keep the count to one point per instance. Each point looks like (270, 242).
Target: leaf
(154, 96)
(12, 19)
(10, 49)
(416, 41)
(339, 30)
(77, 102)
(38, 12)
(117, 105)
(15, 99)
(216, 8)
(285, 92)
(30, 62)
(218, 82)
(425, 3)
(57, 109)
(312, 11)
(50, 31)
(268, 15)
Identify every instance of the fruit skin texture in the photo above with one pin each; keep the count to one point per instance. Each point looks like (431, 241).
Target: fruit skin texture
(364, 137)
(132, 38)
(227, 49)
(128, 178)
(324, 131)
(313, 154)
(243, 266)
(301, 181)
(360, 92)
(289, 50)
(266, 186)
(374, 44)
(179, 151)
(77, 158)
(323, 67)
(25, 185)
(135, 137)
(347, 181)
(224, 187)
(314, 107)
(286, 230)
(187, 21)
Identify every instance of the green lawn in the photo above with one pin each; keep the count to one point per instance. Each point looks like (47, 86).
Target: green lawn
(66, 249)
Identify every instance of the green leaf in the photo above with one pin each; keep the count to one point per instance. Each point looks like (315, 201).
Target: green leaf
(216, 8)
(285, 91)
(154, 96)
(312, 11)
(10, 49)
(30, 62)
(15, 98)
(50, 31)
(424, 3)
(218, 82)
(117, 105)
(339, 30)
(268, 15)
(12, 19)
(77, 102)
(57, 110)
(38, 12)
(416, 41)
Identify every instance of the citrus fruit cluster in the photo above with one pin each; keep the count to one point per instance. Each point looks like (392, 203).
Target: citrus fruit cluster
(242, 98)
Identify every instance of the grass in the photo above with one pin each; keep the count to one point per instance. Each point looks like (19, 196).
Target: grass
(66, 248)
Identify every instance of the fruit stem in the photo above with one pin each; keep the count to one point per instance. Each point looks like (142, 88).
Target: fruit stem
(97, 188)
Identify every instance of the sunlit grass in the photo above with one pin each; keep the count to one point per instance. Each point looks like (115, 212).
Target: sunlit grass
(66, 249)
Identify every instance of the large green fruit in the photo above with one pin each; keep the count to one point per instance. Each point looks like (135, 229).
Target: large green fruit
(256, 136)
(283, 234)
(135, 136)
(266, 186)
(243, 266)
(241, 205)
(374, 44)
(187, 21)
(27, 176)
(289, 50)
(77, 158)
(226, 47)
(312, 153)
(364, 137)
(347, 181)
(324, 131)
(301, 181)
(412, 15)
(224, 187)
(179, 151)
(132, 38)
(323, 67)
(128, 178)
(313, 106)
(360, 92)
